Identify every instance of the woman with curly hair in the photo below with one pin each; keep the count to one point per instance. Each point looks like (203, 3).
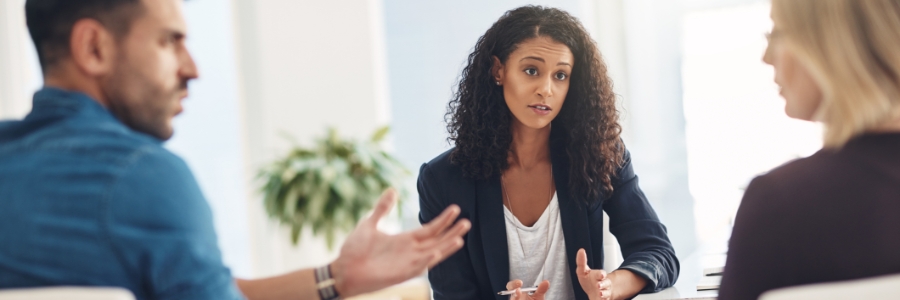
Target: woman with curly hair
(537, 160)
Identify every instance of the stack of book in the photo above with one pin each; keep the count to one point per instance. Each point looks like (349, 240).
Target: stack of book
(712, 277)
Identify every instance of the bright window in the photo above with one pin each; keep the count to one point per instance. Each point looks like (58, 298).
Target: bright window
(735, 123)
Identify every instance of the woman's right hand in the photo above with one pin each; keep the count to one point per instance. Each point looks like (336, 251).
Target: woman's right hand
(519, 295)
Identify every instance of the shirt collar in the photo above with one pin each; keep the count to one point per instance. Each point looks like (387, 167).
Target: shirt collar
(51, 101)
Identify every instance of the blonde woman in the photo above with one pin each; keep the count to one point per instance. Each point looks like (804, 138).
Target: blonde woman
(836, 214)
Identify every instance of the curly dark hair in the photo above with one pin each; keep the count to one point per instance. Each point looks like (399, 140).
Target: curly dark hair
(587, 127)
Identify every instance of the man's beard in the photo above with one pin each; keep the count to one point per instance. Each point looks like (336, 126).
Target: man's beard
(141, 105)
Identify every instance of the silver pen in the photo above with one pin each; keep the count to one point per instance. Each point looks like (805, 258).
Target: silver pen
(529, 290)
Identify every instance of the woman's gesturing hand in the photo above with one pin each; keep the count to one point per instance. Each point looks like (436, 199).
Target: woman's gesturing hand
(595, 283)
(519, 295)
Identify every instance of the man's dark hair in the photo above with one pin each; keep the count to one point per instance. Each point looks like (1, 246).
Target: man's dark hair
(50, 22)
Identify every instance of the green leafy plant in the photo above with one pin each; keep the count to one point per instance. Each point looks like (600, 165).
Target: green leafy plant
(330, 186)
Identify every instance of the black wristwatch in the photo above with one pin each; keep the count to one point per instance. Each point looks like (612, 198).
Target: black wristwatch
(325, 284)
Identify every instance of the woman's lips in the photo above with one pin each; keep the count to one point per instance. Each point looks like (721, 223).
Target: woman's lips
(541, 110)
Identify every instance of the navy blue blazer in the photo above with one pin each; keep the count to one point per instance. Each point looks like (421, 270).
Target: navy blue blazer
(481, 268)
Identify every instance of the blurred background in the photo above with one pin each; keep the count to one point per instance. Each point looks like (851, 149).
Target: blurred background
(701, 114)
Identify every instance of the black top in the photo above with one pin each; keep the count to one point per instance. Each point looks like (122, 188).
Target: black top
(832, 216)
(481, 268)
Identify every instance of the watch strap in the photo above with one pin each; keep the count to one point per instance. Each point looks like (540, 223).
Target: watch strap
(325, 283)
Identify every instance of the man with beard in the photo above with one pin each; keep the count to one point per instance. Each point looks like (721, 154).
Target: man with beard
(89, 197)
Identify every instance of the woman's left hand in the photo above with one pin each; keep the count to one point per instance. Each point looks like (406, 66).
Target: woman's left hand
(595, 283)
(620, 284)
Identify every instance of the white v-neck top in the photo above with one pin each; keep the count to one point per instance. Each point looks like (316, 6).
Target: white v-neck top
(538, 253)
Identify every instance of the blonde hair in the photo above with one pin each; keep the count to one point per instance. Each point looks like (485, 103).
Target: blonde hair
(852, 49)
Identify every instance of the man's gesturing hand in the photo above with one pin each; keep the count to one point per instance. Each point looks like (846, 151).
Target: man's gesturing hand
(371, 260)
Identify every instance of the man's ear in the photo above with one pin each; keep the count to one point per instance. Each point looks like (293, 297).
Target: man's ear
(497, 70)
(92, 47)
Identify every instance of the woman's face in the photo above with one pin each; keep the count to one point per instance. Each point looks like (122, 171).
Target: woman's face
(535, 80)
(801, 92)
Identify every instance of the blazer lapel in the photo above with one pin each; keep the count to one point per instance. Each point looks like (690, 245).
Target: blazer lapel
(574, 220)
(493, 232)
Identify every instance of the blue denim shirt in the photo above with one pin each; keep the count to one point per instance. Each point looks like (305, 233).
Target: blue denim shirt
(86, 201)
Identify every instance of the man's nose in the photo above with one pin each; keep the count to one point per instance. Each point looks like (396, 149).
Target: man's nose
(188, 67)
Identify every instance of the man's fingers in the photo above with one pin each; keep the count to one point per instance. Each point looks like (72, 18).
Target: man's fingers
(581, 267)
(450, 242)
(457, 231)
(384, 205)
(446, 249)
(437, 225)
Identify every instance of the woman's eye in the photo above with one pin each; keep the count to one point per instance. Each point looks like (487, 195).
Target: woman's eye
(531, 71)
(561, 76)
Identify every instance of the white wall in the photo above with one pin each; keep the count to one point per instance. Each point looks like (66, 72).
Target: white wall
(655, 116)
(304, 65)
(733, 110)
(20, 73)
(208, 132)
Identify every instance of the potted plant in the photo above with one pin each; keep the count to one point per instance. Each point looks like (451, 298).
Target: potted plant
(329, 186)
